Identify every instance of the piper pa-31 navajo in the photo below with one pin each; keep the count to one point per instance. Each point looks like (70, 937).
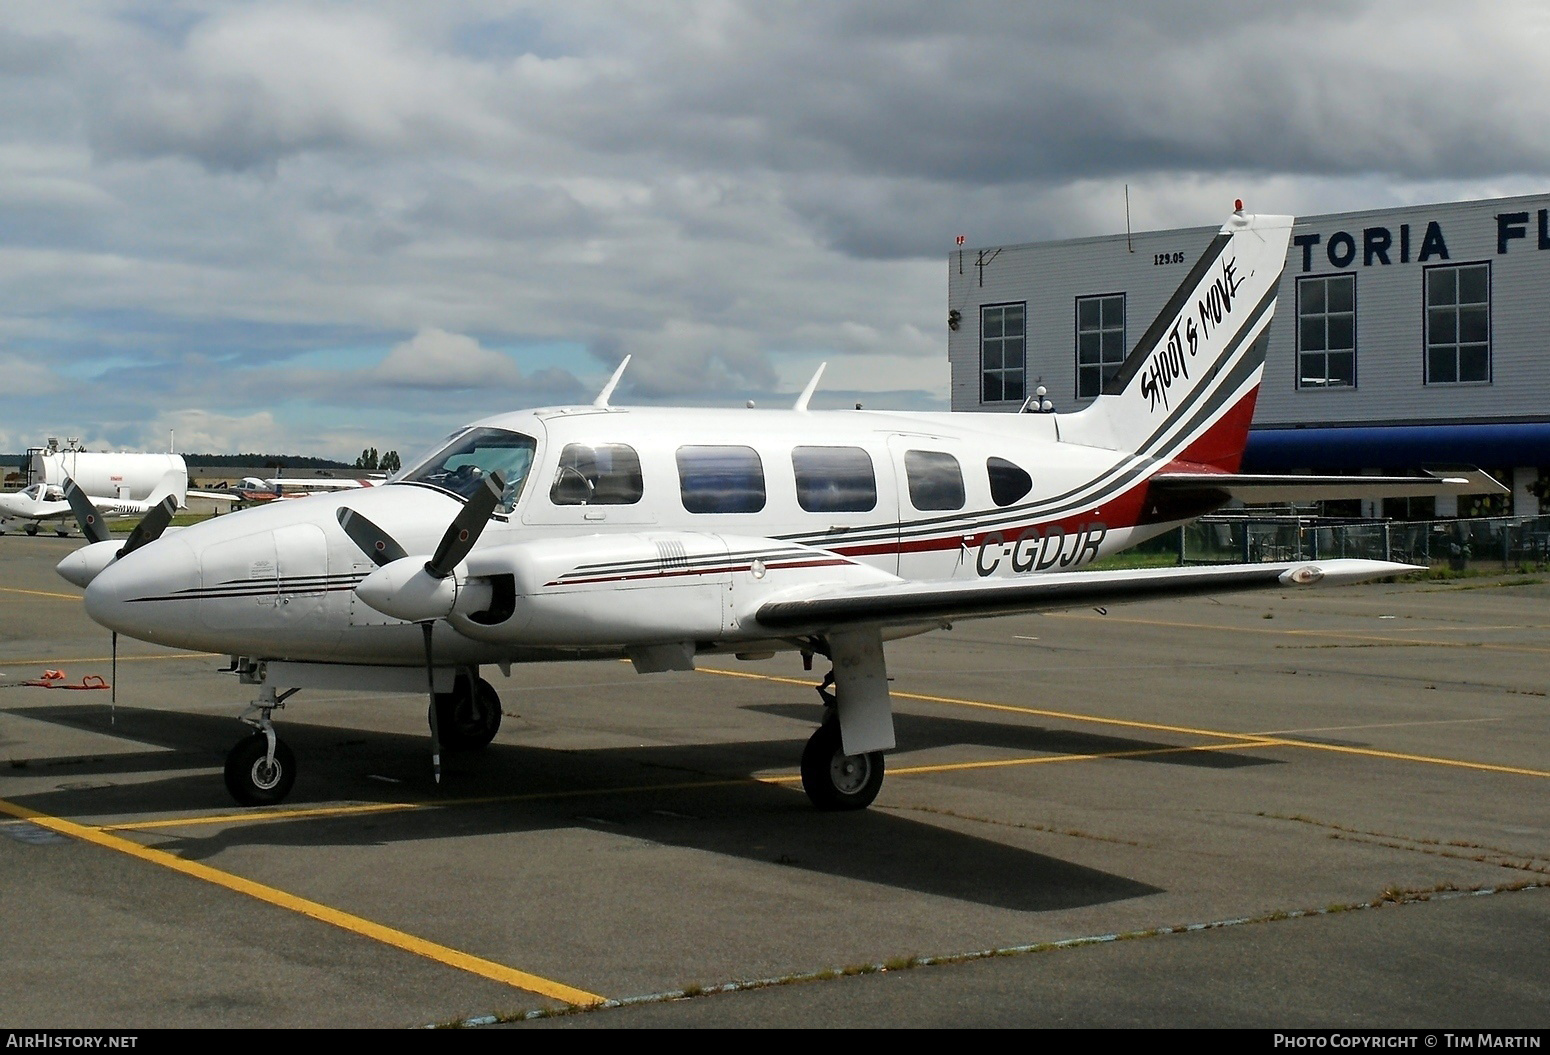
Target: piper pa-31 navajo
(656, 535)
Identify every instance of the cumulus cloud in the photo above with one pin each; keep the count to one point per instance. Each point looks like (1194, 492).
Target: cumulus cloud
(322, 212)
(436, 359)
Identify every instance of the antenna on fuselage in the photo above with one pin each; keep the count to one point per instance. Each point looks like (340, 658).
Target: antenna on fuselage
(807, 393)
(613, 382)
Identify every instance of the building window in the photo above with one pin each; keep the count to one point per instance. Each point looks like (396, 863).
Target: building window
(1326, 332)
(1458, 324)
(1100, 341)
(1002, 347)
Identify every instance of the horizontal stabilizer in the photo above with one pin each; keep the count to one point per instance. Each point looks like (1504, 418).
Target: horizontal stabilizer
(1298, 488)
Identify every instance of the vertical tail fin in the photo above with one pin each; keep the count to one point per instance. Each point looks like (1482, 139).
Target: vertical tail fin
(1186, 392)
(174, 485)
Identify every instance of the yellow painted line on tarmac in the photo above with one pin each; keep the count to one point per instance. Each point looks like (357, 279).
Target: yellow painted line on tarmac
(1340, 635)
(323, 913)
(1001, 763)
(43, 593)
(1013, 709)
(1372, 752)
(56, 661)
(1246, 739)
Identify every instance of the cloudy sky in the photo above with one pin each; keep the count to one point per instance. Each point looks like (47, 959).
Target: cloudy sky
(316, 227)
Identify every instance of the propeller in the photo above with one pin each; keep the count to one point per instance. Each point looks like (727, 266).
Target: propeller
(86, 514)
(405, 588)
(373, 541)
(151, 525)
(86, 563)
(410, 587)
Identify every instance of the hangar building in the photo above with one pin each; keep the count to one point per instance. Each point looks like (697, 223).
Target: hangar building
(1408, 337)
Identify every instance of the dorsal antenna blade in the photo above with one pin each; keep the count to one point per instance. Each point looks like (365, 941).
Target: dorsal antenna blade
(812, 386)
(613, 382)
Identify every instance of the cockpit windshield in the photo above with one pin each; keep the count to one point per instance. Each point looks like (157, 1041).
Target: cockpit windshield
(468, 457)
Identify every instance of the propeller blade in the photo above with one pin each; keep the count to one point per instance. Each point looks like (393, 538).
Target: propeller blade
(151, 525)
(466, 527)
(86, 514)
(373, 541)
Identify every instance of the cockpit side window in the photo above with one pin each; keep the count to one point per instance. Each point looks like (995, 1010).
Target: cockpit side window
(605, 475)
(461, 465)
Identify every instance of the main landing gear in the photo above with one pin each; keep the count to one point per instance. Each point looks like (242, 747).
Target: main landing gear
(261, 769)
(469, 716)
(832, 779)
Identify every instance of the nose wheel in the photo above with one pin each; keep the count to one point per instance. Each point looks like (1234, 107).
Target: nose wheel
(257, 775)
(261, 769)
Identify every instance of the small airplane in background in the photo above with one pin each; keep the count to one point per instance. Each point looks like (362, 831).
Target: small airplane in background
(251, 489)
(43, 503)
(663, 535)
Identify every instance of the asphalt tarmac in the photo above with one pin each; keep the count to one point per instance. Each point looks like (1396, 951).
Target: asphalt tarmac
(1312, 808)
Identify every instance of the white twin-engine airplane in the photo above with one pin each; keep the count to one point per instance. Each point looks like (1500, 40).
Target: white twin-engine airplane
(602, 532)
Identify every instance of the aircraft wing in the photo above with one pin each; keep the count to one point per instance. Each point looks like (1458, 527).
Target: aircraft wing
(913, 603)
(1300, 488)
(232, 497)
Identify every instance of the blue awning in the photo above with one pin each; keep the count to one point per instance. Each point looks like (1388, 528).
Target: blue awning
(1398, 447)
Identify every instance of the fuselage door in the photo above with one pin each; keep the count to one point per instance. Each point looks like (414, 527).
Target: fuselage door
(936, 529)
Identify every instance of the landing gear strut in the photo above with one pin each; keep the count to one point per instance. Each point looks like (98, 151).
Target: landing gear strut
(261, 769)
(468, 717)
(832, 779)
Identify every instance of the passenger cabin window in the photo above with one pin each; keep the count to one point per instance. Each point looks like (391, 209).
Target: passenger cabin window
(461, 465)
(721, 479)
(1008, 482)
(936, 481)
(605, 475)
(834, 479)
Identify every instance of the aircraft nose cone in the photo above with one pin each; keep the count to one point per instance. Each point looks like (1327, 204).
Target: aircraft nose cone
(147, 593)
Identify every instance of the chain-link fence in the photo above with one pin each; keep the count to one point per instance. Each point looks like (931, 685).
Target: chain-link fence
(1493, 542)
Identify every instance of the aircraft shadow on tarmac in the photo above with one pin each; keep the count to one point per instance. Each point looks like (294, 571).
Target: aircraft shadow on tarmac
(669, 794)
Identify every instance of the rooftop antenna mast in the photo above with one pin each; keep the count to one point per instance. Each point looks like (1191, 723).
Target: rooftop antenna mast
(1129, 248)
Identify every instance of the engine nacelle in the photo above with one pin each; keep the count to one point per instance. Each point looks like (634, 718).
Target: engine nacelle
(641, 588)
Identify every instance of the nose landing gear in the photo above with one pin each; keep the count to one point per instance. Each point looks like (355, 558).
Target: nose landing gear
(261, 768)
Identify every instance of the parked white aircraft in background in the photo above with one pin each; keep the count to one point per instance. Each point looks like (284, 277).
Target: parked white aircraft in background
(47, 502)
(119, 483)
(252, 489)
(600, 532)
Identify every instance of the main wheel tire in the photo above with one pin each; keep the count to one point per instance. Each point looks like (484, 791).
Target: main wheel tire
(252, 779)
(468, 717)
(31, 529)
(834, 780)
